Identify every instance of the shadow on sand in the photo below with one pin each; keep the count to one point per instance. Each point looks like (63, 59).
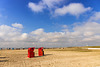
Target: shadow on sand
(43, 56)
(3, 60)
(2, 57)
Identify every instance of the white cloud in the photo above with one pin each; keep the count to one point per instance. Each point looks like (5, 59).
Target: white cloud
(36, 7)
(8, 33)
(95, 17)
(88, 28)
(85, 34)
(43, 4)
(17, 25)
(53, 6)
(24, 36)
(74, 9)
(88, 31)
(93, 38)
(51, 3)
(38, 31)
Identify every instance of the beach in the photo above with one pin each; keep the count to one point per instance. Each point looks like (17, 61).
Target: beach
(52, 58)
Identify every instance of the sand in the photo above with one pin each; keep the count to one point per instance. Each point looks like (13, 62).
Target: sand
(18, 58)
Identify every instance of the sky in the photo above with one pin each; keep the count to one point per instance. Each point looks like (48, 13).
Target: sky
(49, 23)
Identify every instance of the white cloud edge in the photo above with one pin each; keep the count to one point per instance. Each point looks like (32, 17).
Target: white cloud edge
(17, 25)
(75, 9)
(95, 17)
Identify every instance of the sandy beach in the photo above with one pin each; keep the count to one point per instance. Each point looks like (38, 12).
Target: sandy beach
(52, 58)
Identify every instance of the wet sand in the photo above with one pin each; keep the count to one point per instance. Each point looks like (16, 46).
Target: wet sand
(52, 58)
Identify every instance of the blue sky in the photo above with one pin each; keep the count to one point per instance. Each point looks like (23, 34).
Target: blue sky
(44, 16)
(17, 11)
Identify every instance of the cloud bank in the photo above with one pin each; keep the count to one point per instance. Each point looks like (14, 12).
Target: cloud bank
(81, 35)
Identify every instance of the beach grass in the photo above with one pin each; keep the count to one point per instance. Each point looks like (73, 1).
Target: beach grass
(78, 49)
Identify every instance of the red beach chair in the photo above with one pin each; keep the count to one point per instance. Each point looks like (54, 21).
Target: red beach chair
(30, 52)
